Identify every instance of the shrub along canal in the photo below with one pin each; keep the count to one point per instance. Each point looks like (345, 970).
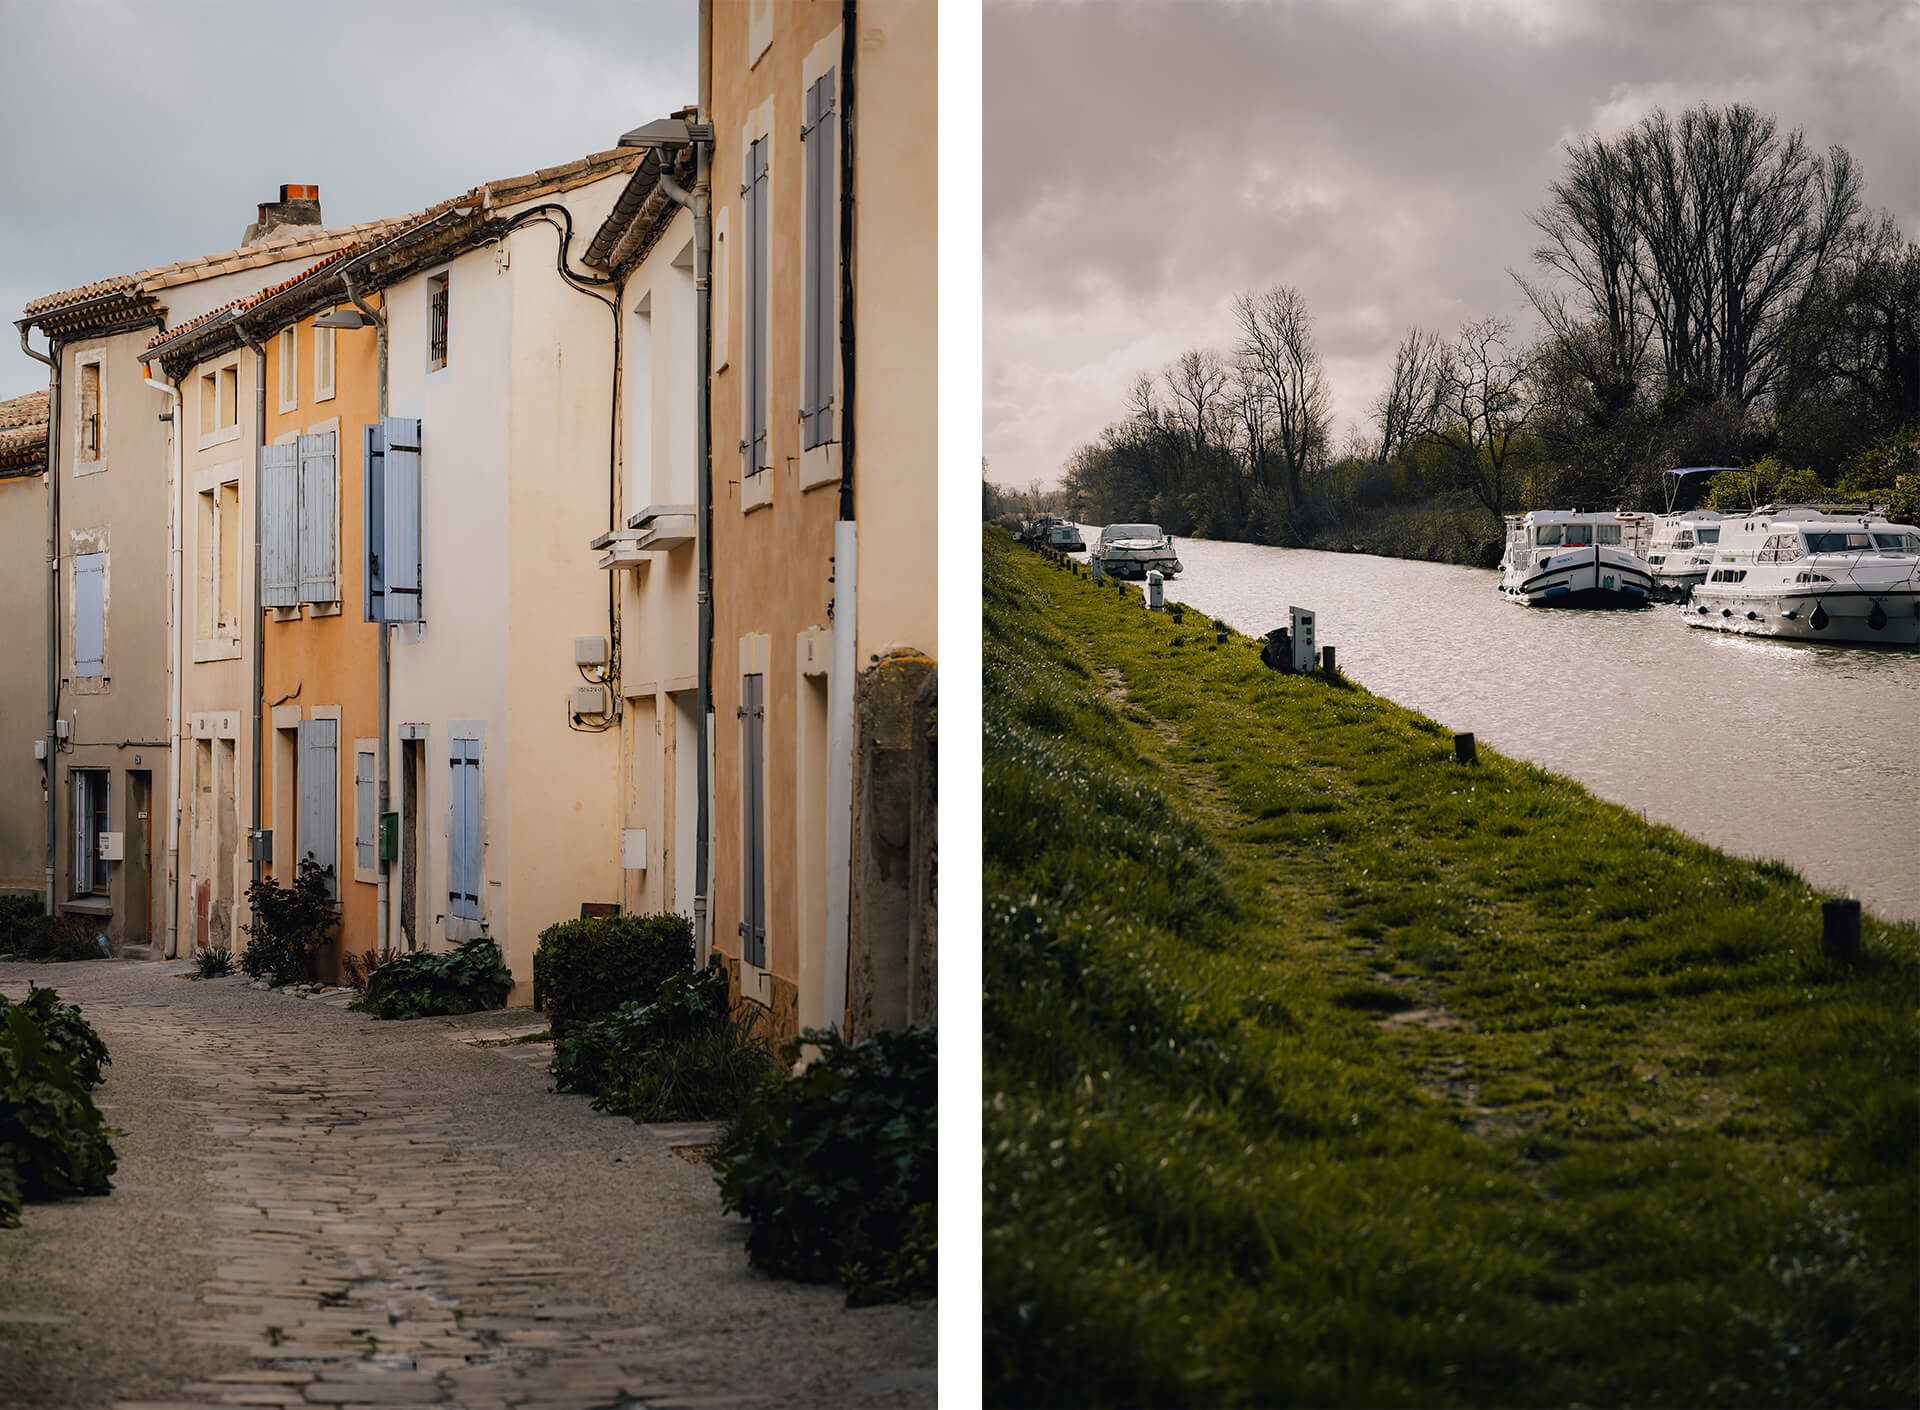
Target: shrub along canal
(1323, 1069)
(1810, 754)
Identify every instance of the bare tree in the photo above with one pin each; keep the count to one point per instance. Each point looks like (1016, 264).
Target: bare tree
(1408, 409)
(1487, 400)
(1280, 376)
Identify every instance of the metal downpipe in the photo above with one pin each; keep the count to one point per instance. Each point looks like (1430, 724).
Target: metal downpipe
(383, 899)
(703, 462)
(52, 359)
(259, 612)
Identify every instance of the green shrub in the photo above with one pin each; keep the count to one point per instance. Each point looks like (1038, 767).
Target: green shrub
(52, 1140)
(28, 933)
(682, 1057)
(18, 914)
(68, 1035)
(584, 968)
(213, 963)
(466, 979)
(289, 924)
(836, 1168)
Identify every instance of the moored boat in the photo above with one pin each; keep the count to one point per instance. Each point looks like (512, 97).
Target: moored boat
(1805, 574)
(1559, 557)
(1680, 553)
(1065, 538)
(1134, 550)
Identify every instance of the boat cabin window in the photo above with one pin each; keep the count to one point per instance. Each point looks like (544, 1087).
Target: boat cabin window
(1684, 541)
(1781, 548)
(1812, 578)
(1837, 541)
(1546, 535)
(1709, 535)
(1729, 575)
(1897, 543)
(1134, 531)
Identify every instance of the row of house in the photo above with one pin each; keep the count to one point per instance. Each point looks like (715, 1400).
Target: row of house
(564, 547)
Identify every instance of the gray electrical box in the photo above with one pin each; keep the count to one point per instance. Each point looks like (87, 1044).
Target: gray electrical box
(260, 845)
(589, 651)
(1303, 651)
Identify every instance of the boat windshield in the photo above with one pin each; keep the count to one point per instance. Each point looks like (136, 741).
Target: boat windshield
(1897, 543)
(1708, 535)
(1547, 535)
(1133, 531)
(1834, 541)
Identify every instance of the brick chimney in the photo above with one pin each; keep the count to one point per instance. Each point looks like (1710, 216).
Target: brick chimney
(298, 208)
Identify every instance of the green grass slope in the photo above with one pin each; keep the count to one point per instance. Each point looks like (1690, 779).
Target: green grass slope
(1323, 1070)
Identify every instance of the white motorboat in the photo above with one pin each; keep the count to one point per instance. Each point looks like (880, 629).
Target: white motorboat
(1559, 557)
(1680, 553)
(1065, 538)
(1134, 550)
(1810, 575)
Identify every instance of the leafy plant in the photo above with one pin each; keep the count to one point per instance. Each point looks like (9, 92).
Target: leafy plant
(584, 968)
(360, 967)
(466, 979)
(29, 934)
(289, 924)
(68, 1035)
(836, 1167)
(682, 1057)
(52, 1140)
(212, 963)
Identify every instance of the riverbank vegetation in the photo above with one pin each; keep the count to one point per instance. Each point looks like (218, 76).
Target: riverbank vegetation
(1322, 1069)
(1709, 291)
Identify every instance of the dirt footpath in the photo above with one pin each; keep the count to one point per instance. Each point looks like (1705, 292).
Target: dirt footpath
(314, 1208)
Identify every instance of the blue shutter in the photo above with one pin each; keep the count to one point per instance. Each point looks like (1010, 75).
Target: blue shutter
(366, 816)
(373, 494)
(753, 817)
(463, 831)
(89, 614)
(319, 517)
(279, 510)
(319, 824)
(753, 310)
(816, 415)
(401, 531)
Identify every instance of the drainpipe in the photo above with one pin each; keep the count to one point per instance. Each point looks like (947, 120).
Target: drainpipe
(841, 705)
(52, 360)
(385, 688)
(259, 612)
(176, 601)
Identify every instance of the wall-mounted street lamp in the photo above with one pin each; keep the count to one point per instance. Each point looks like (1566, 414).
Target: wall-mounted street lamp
(343, 318)
(667, 132)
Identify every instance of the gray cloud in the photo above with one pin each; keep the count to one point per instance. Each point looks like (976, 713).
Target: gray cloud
(1146, 162)
(139, 134)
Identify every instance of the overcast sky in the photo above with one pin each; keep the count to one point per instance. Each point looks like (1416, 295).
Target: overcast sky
(141, 133)
(1145, 162)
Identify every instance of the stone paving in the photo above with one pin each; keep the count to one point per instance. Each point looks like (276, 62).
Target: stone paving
(386, 1218)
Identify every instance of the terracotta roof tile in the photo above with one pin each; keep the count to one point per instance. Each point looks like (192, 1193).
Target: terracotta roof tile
(23, 435)
(24, 411)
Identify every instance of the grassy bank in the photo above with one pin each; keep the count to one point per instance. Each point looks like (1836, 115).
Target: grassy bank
(1322, 1070)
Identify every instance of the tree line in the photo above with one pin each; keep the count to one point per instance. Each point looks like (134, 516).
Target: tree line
(1711, 291)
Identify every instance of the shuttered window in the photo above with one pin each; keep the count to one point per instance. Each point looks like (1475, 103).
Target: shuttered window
(89, 614)
(319, 518)
(366, 811)
(753, 820)
(373, 519)
(89, 821)
(753, 311)
(318, 837)
(463, 828)
(817, 137)
(280, 525)
(398, 544)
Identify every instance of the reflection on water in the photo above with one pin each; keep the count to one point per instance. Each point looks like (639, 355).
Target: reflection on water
(1806, 753)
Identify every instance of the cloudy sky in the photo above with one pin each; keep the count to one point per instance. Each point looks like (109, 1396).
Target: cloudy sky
(1145, 162)
(142, 133)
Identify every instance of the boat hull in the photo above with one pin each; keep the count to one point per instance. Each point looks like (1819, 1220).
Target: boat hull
(1845, 615)
(1584, 577)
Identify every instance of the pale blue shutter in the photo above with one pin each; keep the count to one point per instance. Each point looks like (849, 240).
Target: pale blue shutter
(83, 841)
(754, 309)
(816, 415)
(89, 614)
(753, 757)
(319, 824)
(279, 510)
(319, 516)
(401, 531)
(463, 841)
(366, 819)
(373, 495)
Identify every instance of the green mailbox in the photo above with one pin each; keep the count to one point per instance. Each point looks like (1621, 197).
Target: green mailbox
(389, 837)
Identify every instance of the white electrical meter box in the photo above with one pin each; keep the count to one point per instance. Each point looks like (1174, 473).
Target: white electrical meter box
(590, 700)
(1303, 648)
(113, 846)
(633, 848)
(589, 651)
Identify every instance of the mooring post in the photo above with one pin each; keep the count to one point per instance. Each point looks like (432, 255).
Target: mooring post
(1326, 660)
(1463, 749)
(1219, 638)
(1177, 615)
(1840, 931)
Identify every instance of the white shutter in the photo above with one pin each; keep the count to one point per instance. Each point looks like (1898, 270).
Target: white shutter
(319, 516)
(89, 614)
(366, 814)
(401, 566)
(279, 510)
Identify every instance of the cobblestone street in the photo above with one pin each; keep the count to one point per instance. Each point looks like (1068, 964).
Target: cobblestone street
(314, 1208)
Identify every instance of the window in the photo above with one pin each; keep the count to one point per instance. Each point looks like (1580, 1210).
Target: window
(89, 614)
(220, 404)
(436, 322)
(366, 811)
(89, 821)
(753, 820)
(91, 412)
(1838, 542)
(821, 342)
(391, 521)
(289, 359)
(299, 521)
(218, 538)
(1709, 535)
(323, 364)
(318, 836)
(754, 450)
(463, 829)
(1606, 533)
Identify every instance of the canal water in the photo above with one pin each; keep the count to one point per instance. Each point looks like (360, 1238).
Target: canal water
(1810, 754)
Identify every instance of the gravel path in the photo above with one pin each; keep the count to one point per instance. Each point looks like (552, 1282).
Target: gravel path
(312, 1207)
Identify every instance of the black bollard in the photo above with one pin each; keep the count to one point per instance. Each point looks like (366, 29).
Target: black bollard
(1463, 749)
(1326, 660)
(1220, 638)
(1840, 931)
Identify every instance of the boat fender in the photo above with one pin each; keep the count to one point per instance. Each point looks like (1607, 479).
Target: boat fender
(1791, 613)
(1726, 611)
(1877, 618)
(1703, 609)
(1753, 616)
(1818, 621)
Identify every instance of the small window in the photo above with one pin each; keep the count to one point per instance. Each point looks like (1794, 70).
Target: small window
(323, 364)
(289, 368)
(89, 821)
(1606, 533)
(1684, 541)
(1709, 535)
(436, 322)
(229, 397)
(1547, 535)
(209, 403)
(90, 411)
